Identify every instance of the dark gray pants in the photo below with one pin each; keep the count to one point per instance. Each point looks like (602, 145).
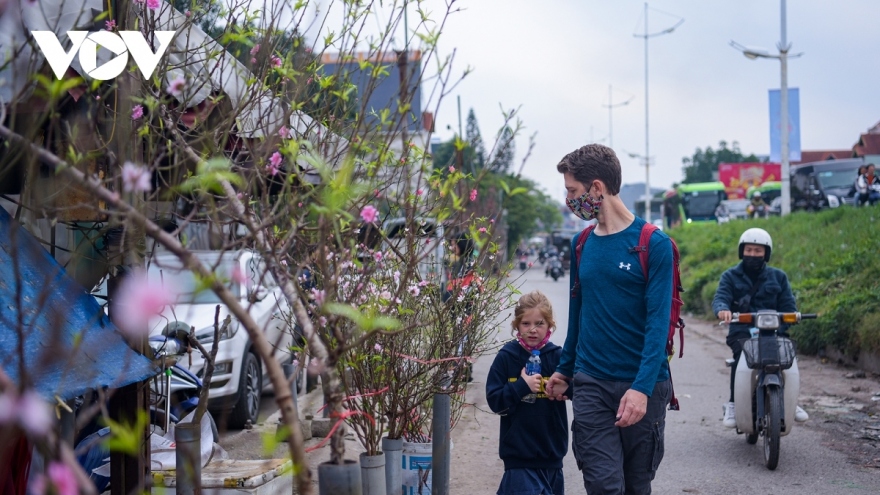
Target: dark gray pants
(616, 461)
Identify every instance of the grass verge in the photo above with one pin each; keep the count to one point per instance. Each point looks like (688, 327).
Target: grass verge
(832, 259)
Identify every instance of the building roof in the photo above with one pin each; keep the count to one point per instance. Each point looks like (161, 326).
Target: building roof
(869, 144)
(810, 156)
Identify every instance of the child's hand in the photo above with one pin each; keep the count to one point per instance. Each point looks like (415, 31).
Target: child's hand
(533, 381)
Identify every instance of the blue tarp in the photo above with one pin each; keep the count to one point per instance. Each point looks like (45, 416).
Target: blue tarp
(69, 345)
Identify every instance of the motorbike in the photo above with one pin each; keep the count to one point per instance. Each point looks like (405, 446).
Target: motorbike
(759, 211)
(174, 395)
(523, 262)
(554, 268)
(767, 381)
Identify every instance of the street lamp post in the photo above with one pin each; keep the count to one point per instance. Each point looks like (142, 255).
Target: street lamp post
(611, 106)
(646, 36)
(754, 53)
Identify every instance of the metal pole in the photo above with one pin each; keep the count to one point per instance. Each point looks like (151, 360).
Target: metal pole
(460, 133)
(647, 148)
(610, 126)
(440, 442)
(783, 120)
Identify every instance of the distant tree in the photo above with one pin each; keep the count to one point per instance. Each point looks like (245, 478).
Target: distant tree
(503, 159)
(702, 166)
(475, 146)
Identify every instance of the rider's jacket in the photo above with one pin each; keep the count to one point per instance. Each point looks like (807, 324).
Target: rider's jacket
(774, 293)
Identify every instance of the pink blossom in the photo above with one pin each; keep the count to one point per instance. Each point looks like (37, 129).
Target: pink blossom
(253, 61)
(377, 193)
(419, 192)
(322, 321)
(61, 479)
(530, 264)
(188, 13)
(309, 81)
(284, 262)
(378, 347)
(369, 213)
(110, 25)
(255, 50)
(491, 220)
(153, 4)
(377, 256)
(483, 229)
(414, 290)
(386, 295)
(135, 178)
(284, 132)
(274, 163)
(176, 87)
(137, 112)
(397, 276)
(299, 205)
(238, 275)
(319, 296)
(276, 61)
(34, 414)
(473, 194)
(139, 299)
(423, 283)
(451, 169)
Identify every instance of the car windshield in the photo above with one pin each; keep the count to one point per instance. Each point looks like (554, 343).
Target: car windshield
(701, 204)
(186, 285)
(837, 178)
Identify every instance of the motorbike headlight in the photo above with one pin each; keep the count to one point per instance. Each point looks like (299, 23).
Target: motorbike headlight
(768, 321)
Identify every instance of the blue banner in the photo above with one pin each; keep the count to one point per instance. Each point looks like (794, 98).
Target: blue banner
(794, 125)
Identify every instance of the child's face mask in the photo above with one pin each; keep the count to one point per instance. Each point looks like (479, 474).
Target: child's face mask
(585, 207)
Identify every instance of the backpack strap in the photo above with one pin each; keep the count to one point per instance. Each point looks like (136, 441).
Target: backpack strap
(642, 249)
(578, 249)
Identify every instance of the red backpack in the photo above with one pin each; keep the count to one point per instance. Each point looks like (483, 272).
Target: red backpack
(675, 321)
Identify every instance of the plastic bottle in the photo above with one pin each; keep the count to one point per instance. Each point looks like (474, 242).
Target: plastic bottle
(533, 367)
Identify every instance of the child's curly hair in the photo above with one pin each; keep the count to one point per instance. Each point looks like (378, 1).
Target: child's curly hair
(534, 299)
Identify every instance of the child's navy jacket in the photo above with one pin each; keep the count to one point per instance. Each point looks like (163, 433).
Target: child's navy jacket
(533, 436)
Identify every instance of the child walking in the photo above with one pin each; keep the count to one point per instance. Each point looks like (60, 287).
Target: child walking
(534, 435)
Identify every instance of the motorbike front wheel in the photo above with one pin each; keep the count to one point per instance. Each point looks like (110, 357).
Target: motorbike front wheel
(772, 426)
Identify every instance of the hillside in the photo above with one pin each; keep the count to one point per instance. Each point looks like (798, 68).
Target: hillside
(832, 259)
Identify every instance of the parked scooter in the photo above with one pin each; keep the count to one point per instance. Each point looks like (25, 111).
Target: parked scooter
(767, 381)
(554, 268)
(174, 395)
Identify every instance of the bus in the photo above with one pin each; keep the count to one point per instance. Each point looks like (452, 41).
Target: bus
(699, 200)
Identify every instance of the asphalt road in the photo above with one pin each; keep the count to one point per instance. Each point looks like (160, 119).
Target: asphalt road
(825, 455)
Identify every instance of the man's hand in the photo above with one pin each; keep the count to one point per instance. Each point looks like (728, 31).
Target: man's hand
(533, 381)
(556, 380)
(725, 316)
(633, 407)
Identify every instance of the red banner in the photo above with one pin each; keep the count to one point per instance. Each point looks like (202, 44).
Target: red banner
(739, 177)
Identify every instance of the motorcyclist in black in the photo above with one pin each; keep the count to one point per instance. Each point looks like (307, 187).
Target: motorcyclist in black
(748, 287)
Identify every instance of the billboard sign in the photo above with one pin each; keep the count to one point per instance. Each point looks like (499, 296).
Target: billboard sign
(739, 177)
(794, 125)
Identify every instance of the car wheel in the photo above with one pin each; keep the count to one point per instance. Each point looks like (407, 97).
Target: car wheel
(250, 388)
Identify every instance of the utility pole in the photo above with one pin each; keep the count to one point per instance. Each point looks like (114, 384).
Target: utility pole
(783, 118)
(610, 106)
(647, 156)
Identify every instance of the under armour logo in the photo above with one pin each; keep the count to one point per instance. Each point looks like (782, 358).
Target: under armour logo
(627, 266)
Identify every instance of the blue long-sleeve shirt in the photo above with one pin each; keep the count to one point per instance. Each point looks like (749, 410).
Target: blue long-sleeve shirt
(618, 326)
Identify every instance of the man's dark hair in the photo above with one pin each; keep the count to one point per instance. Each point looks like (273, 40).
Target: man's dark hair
(593, 162)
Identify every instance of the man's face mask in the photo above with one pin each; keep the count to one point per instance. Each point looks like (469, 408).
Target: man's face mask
(753, 263)
(585, 207)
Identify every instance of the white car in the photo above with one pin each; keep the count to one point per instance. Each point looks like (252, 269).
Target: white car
(239, 377)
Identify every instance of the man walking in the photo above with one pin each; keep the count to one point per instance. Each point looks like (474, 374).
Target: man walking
(615, 351)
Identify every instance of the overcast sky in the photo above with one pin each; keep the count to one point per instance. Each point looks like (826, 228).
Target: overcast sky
(556, 58)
